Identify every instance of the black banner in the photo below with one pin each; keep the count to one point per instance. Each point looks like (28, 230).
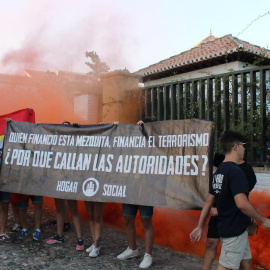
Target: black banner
(161, 163)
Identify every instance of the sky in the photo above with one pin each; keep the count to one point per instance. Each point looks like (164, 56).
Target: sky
(132, 34)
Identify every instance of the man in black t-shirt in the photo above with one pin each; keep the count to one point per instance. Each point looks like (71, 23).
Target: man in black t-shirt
(213, 238)
(229, 190)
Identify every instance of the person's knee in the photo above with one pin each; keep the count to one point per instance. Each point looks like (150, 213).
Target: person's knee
(212, 243)
(23, 211)
(246, 264)
(38, 206)
(74, 212)
(129, 221)
(147, 223)
(4, 206)
(98, 216)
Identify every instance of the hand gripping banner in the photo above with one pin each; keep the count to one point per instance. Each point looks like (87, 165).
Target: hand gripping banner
(162, 164)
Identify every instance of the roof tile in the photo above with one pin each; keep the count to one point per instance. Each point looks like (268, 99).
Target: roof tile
(211, 47)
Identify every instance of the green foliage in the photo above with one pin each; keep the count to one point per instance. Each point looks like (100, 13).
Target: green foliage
(98, 68)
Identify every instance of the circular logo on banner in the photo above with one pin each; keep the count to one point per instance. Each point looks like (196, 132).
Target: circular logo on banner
(90, 187)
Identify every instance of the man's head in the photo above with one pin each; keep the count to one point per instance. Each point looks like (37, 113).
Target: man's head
(230, 140)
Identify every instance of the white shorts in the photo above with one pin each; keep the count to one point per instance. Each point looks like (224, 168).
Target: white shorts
(234, 250)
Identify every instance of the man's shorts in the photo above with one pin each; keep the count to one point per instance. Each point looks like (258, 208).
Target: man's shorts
(130, 210)
(5, 196)
(234, 250)
(212, 228)
(35, 199)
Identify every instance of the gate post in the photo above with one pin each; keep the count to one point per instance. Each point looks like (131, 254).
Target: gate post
(122, 98)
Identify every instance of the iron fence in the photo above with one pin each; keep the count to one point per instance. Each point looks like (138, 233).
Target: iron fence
(238, 100)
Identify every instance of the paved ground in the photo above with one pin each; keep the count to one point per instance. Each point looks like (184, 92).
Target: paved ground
(32, 255)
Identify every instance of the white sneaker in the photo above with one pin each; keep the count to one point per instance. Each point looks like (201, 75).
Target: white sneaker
(128, 254)
(94, 252)
(146, 262)
(88, 250)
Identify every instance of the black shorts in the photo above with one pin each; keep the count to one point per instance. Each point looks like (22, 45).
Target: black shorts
(212, 228)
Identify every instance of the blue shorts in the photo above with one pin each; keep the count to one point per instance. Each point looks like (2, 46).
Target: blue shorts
(5, 196)
(35, 199)
(130, 210)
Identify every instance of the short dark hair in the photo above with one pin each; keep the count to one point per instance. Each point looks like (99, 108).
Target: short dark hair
(229, 138)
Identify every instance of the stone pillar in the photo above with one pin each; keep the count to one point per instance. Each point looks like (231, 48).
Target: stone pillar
(122, 98)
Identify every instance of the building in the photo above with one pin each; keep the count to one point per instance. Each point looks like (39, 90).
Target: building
(224, 80)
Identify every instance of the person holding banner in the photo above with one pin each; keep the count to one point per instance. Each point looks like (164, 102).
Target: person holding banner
(95, 212)
(229, 190)
(61, 213)
(129, 211)
(5, 197)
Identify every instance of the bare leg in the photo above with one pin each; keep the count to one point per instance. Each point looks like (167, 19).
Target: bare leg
(23, 218)
(210, 252)
(149, 234)
(131, 232)
(16, 213)
(66, 220)
(60, 215)
(38, 215)
(73, 207)
(4, 216)
(95, 211)
(90, 210)
(246, 264)
(98, 219)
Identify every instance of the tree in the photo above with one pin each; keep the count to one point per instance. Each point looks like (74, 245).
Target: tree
(98, 68)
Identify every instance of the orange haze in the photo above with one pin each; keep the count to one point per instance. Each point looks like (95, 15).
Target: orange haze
(172, 228)
(54, 104)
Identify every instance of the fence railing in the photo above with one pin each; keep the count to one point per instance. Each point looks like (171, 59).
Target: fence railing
(238, 100)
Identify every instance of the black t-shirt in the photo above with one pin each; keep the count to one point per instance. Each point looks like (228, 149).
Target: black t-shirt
(228, 181)
(247, 169)
(250, 174)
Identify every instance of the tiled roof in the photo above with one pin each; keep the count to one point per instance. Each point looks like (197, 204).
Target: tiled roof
(211, 49)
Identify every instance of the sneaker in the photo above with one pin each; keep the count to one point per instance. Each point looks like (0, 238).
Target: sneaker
(15, 229)
(88, 250)
(56, 240)
(80, 245)
(146, 262)
(66, 227)
(36, 234)
(128, 254)
(94, 252)
(5, 238)
(23, 233)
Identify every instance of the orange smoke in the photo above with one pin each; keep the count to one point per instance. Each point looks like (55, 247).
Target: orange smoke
(172, 228)
(51, 101)
(259, 242)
